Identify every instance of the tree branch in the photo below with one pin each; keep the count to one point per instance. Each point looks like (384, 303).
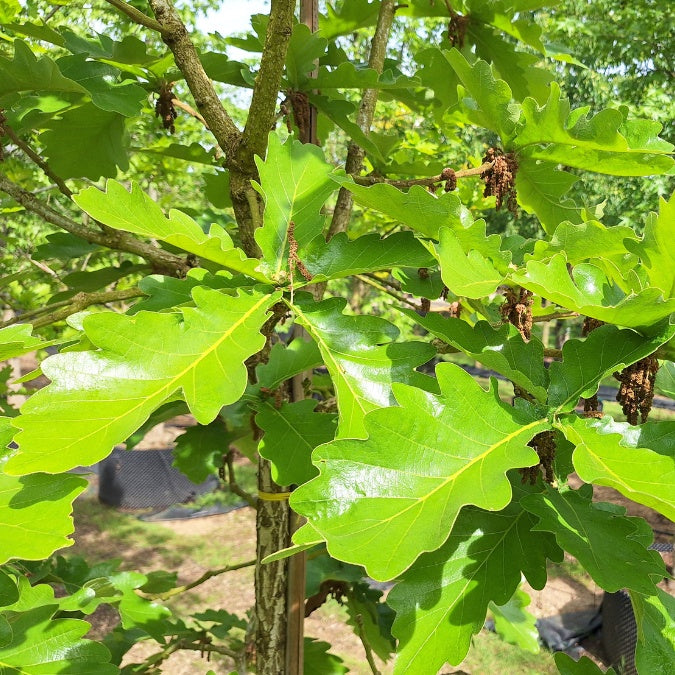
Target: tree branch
(355, 154)
(425, 182)
(232, 484)
(57, 180)
(76, 304)
(137, 16)
(555, 315)
(376, 284)
(262, 112)
(177, 39)
(121, 241)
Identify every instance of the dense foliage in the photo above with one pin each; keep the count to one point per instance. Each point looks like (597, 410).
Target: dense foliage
(183, 255)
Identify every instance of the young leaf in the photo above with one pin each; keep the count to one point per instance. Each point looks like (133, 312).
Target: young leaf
(361, 357)
(655, 617)
(383, 501)
(599, 538)
(17, 340)
(469, 274)
(503, 349)
(295, 180)
(35, 514)
(417, 208)
(515, 624)
(98, 398)
(604, 143)
(656, 247)
(135, 212)
(639, 464)
(341, 257)
(441, 601)
(589, 292)
(586, 362)
(199, 451)
(291, 434)
(285, 361)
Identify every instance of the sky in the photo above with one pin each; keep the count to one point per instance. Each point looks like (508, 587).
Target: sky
(233, 16)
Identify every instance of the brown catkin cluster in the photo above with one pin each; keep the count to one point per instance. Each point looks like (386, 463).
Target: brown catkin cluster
(301, 113)
(500, 179)
(636, 390)
(450, 178)
(517, 310)
(591, 405)
(293, 259)
(544, 445)
(164, 108)
(457, 29)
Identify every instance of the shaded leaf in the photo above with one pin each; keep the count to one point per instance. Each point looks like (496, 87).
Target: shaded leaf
(98, 398)
(376, 618)
(665, 379)
(655, 617)
(587, 362)
(135, 212)
(383, 501)
(584, 666)
(291, 434)
(515, 624)
(442, 600)
(601, 539)
(640, 464)
(361, 358)
(199, 451)
(285, 361)
(319, 661)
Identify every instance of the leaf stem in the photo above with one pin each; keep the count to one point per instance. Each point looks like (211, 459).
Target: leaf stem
(555, 315)
(431, 180)
(366, 645)
(197, 582)
(137, 16)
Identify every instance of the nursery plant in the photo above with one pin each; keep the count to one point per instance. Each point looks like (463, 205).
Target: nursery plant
(293, 246)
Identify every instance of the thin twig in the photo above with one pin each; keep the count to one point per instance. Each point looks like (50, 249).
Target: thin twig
(395, 285)
(58, 181)
(45, 268)
(189, 110)
(138, 17)
(232, 484)
(366, 644)
(431, 180)
(198, 582)
(206, 647)
(380, 287)
(554, 315)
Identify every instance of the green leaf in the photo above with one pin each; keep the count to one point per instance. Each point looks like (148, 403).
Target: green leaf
(295, 182)
(199, 451)
(319, 661)
(8, 10)
(604, 143)
(17, 340)
(469, 274)
(665, 379)
(28, 73)
(361, 357)
(656, 247)
(515, 624)
(64, 245)
(376, 618)
(589, 292)
(35, 514)
(503, 349)
(584, 666)
(655, 616)
(541, 189)
(638, 462)
(603, 541)
(286, 361)
(347, 17)
(98, 398)
(430, 286)
(442, 600)
(436, 74)
(9, 592)
(291, 434)
(193, 153)
(135, 212)
(349, 76)
(341, 257)
(41, 644)
(493, 107)
(99, 79)
(321, 567)
(417, 208)
(587, 362)
(86, 142)
(304, 49)
(383, 501)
